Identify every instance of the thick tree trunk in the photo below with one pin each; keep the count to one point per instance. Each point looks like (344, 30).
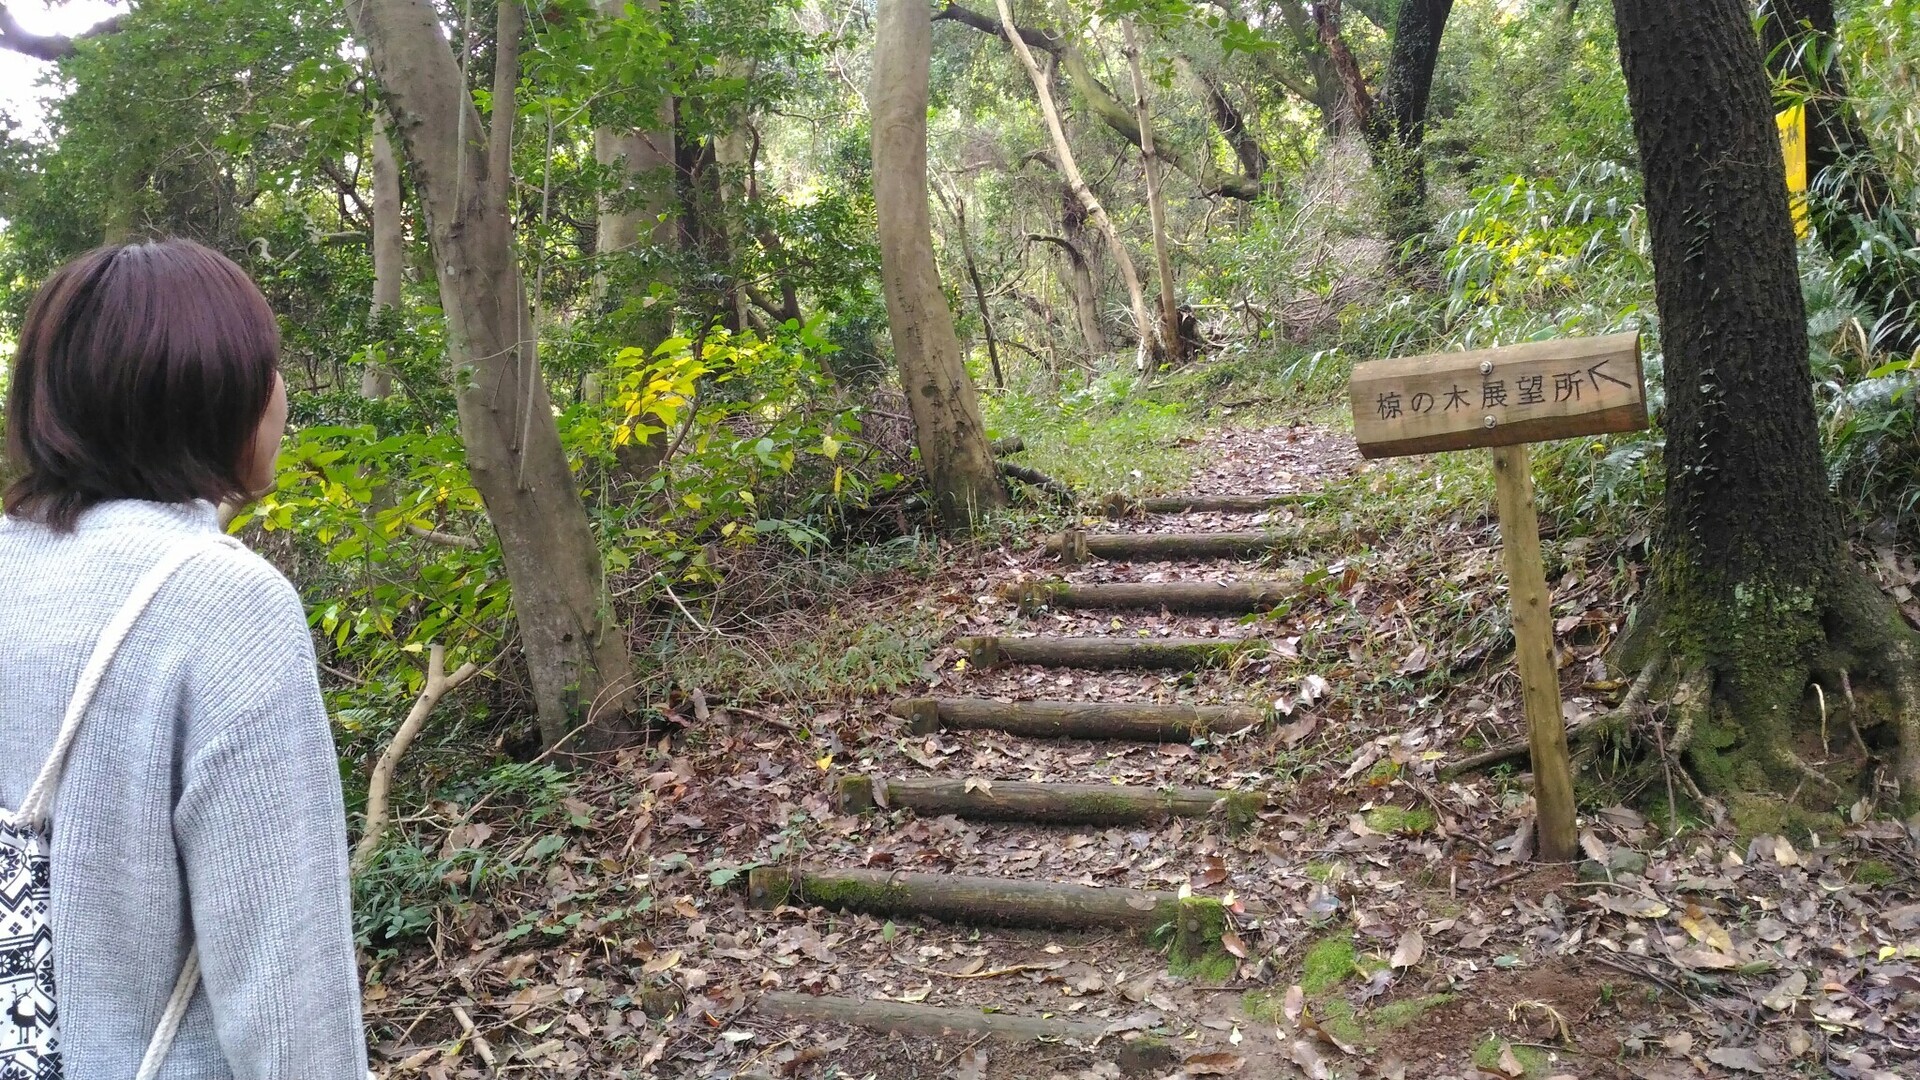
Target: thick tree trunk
(1070, 168)
(945, 407)
(1172, 343)
(1850, 189)
(636, 198)
(1401, 119)
(1750, 552)
(576, 654)
(389, 248)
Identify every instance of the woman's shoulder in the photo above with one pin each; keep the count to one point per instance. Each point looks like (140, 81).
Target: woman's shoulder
(236, 581)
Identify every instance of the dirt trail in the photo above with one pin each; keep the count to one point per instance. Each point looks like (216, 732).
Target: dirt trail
(1381, 922)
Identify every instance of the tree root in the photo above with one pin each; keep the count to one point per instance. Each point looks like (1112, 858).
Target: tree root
(1692, 697)
(1630, 707)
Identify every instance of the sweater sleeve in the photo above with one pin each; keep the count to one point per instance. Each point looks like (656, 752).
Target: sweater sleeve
(262, 837)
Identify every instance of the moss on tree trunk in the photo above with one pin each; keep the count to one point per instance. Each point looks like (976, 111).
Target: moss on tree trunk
(1752, 593)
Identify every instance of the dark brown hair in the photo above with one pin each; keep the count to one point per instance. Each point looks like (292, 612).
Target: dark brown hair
(142, 373)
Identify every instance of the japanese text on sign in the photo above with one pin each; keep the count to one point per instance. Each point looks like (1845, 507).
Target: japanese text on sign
(1498, 397)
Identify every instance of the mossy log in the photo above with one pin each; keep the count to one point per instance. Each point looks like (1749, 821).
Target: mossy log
(1231, 597)
(903, 1018)
(1108, 653)
(1078, 719)
(1122, 506)
(957, 898)
(1049, 804)
(1076, 546)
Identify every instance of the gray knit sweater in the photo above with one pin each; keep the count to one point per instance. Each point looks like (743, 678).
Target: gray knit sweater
(201, 803)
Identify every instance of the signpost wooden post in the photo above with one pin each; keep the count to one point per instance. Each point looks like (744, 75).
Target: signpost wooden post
(1505, 398)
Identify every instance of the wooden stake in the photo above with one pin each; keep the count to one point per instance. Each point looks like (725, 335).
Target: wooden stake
(1533, 646)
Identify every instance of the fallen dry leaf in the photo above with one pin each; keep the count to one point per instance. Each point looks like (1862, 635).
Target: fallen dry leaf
(1217, 1064)
(1410, 950)
(1737, 1057)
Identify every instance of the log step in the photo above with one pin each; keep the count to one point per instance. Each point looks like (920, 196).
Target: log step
(899, 1017)
(1230, 597)
(1078, 719)
(1075, 545)
(1048, 804)
(1123, 506)
(1108, 653)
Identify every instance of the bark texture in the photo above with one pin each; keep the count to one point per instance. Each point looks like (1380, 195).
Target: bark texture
(1750, 550)
(636, 198)
(576, 655)
(1850, 195)
(945, 406)
(389, 248)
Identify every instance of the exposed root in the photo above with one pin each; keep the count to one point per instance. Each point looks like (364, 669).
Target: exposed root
(1792, 761)
(1691, 699)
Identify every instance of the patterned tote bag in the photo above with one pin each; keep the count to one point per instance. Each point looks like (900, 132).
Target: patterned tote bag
(29, 1015)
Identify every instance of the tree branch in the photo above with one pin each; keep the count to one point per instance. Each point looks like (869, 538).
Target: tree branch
(380, 783)
(17, 38)
(1113, 112)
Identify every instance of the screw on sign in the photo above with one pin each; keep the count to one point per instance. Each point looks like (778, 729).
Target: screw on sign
(1503, 399)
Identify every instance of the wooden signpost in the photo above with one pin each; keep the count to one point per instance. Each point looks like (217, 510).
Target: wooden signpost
(1505, 398)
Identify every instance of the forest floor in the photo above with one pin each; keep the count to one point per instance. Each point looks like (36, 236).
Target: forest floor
(1385, 922)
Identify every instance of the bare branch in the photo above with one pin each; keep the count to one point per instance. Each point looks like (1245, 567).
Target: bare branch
(17, 38)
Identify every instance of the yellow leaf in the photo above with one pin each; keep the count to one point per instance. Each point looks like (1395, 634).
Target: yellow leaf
(825, 763)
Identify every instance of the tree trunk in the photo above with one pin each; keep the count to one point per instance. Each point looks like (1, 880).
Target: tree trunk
(1069, 168)
(1172, 349)
(636, 198)
(1850, 191)
(1751, 590)
(389, 249)
(1402, 116)
(1077, 276)
(576, 654)
(957, 209)
(1233, 127)
(945, 407)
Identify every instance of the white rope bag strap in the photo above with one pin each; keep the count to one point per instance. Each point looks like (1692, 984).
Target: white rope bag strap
(36, 810)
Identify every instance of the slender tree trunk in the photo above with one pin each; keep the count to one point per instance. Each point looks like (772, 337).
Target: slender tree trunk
(389, 248)
(576, 654)
(1172, 350)
(1077, 275)
(1069, 168)
(636, 200)
(945, 407)
(1850, 189)
(1111, 111)
(1751, 589)
(957, 209)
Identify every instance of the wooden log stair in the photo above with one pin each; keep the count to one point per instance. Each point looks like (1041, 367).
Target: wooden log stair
(1190, 929)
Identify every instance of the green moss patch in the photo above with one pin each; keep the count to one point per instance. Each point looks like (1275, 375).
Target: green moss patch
(1874, 872)
(1330, 962)
(1400, 821)
(1487, 1057)
(1196, 952)
(1398, 1014)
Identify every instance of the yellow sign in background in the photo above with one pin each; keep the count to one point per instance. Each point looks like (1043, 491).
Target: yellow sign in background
(1793, 144)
